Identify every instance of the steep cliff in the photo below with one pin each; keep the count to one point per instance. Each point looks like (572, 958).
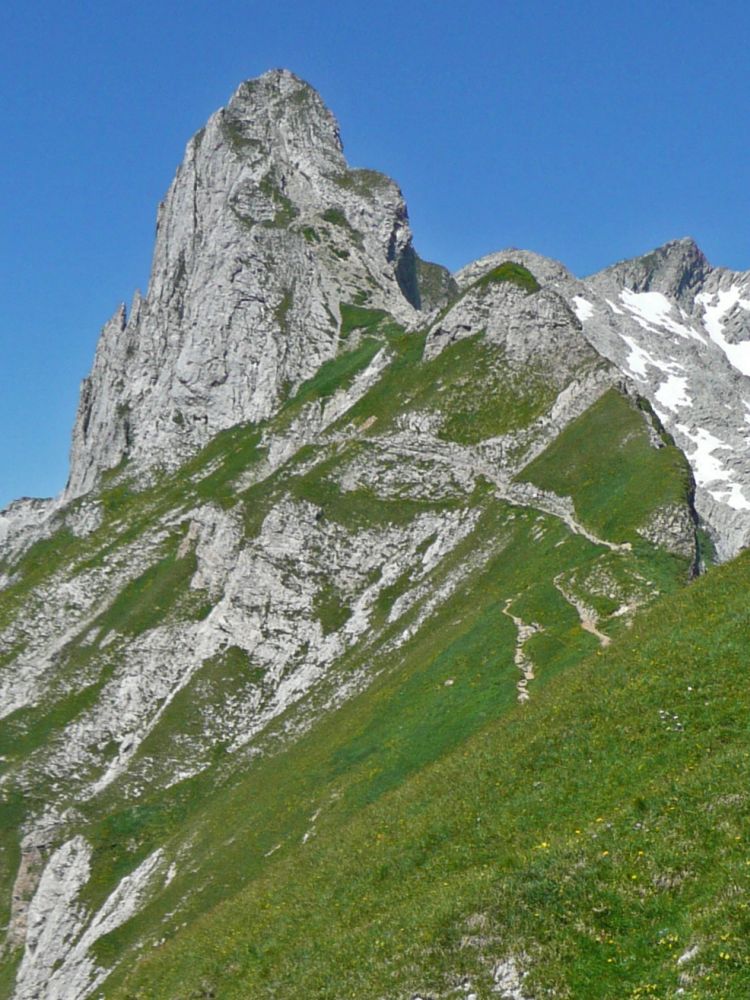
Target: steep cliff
(264, 233)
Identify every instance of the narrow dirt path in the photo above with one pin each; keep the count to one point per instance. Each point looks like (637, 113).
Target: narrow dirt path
(587, 616)
(426, 446)
(524, 662)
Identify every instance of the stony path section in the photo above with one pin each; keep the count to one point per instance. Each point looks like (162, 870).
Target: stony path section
(524, 662)
(588, 617)
(473, 463)
(526, 494)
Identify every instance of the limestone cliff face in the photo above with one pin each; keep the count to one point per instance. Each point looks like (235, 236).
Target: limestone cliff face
(263, 233)
(680, 329)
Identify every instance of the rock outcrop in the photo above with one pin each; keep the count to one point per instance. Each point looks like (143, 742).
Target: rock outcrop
(680, 329)
(263, 234)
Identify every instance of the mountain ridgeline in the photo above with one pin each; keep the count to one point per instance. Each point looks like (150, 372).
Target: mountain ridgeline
(376, 647)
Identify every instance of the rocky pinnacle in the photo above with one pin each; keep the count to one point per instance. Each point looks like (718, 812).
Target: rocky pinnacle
(263, 233)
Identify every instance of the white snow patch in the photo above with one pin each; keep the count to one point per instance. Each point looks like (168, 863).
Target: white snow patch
(715, 308)
(583, 308)
(732, 496)
(652, 310)
(639, 358)
(709, 471)
(673, 393)
(615, 309)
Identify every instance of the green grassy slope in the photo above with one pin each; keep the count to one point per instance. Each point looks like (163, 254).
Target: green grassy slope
(601, 462)
(597, 833)
(244, 817)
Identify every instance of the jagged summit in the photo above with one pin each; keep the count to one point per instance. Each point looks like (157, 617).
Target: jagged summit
(677, 269)
(264, 233)
(286, 115)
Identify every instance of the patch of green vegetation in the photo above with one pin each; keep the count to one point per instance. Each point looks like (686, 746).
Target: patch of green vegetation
(302, 97)
(336, 217)
(469, 384)
(37, 564)
(330, 608)
(286, 212)
(577, 833)
(281, 311)
(338, 373)
(604, 460)
(311, 235)
(482, 397)
(364, 182)
(508, 271)
(148, 600)
(235, 135)
(14, 805)
(643, 404)
(356, 317)
(437, 289)
(388, 596)
(228, 455)
(245, 220)
(706, 548)
(360, 508)
(9, 962)
(31, 727)
(397, 384)
(180, 270)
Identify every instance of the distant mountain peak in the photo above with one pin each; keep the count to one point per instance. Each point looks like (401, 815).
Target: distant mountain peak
(676, 269)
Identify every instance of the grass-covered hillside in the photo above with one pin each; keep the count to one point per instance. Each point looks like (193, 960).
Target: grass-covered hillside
(594, 839)
(364, 699)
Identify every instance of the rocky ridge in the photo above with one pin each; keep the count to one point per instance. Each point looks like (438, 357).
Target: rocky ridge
(680, 330)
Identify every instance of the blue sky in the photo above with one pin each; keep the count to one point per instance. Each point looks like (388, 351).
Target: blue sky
(586, 131)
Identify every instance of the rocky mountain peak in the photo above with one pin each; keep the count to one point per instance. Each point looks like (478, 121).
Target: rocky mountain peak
(676, 269)
(432, 496)
(264, 234)
(286, 117)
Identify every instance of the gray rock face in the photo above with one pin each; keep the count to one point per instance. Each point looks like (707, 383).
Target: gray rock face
(680, 330)
(263, 233)
(539, 331)
(21, 523)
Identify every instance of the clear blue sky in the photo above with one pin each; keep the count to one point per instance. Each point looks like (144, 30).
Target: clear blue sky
(587, 131)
